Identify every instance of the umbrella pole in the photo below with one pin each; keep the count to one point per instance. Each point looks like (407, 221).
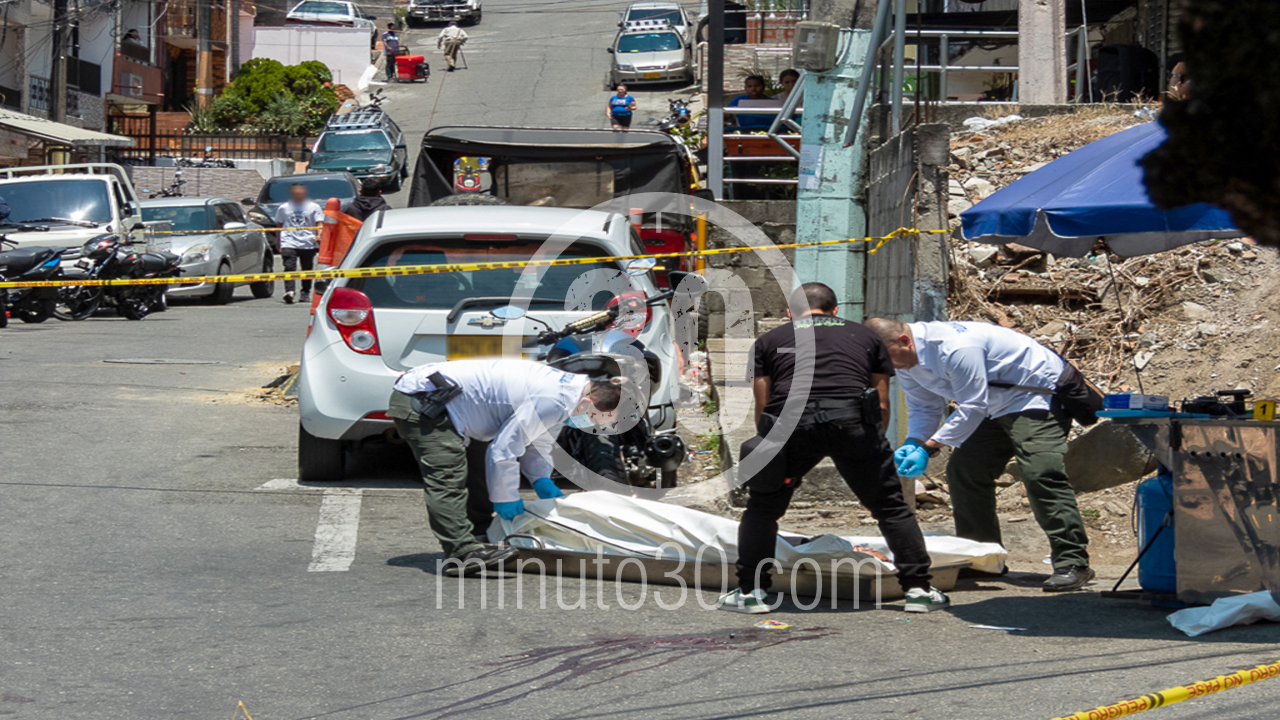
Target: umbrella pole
(1115, 288)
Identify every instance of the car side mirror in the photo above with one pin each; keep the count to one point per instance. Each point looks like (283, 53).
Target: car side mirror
(247, 201)
(127, 208)
(609, 50)
(235, 226)
(137, 226)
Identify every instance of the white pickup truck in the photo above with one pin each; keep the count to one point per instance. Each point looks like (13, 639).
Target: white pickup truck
(67, 205)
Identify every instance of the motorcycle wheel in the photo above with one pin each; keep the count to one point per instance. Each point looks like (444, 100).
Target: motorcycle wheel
(77, 303)
(4, 315)
(37, 312)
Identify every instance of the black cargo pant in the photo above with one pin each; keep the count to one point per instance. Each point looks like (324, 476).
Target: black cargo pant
(864, 459)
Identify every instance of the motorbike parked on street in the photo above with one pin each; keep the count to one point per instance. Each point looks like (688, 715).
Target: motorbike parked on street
(174, 189)
(108, 257)
(30, 304)
(603, 345)
(205, 161)
(678, 115)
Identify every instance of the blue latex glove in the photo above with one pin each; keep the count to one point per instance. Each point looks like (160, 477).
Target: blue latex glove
(509, 510)
(912, 459)
(546, 489)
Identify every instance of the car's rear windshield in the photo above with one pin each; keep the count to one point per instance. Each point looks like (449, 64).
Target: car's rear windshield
(439, 291)
(320, 189)
(672, 17)
(353, 141)
(322, 8)
(182, 218)
(648, 42)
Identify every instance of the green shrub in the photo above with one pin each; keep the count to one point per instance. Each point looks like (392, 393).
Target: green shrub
(229, 112)
(267, 96)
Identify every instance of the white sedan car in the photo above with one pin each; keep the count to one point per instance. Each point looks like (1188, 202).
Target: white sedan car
(367, 331)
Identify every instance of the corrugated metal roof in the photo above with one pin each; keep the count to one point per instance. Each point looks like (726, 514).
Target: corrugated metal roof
(58, 132)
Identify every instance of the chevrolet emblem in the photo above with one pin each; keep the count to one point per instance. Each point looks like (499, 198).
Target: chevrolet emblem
(488, 321)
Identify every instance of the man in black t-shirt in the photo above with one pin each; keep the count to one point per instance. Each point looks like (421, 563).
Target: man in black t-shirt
(831, 420)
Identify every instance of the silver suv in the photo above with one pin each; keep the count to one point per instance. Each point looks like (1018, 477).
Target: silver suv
(367, 331)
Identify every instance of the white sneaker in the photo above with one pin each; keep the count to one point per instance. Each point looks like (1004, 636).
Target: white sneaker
(752, 603)
(920, 600)
(288, 298)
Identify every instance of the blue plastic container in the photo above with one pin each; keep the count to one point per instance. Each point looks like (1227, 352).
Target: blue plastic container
(1158, 571)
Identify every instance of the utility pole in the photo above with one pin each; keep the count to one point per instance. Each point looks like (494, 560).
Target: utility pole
(233, 39)
(1042, 52)
(714, 78)
(58, 65)
(833, 206)
(204, 53)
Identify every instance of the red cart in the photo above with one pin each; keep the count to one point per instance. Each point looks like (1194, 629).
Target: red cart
(412, 67)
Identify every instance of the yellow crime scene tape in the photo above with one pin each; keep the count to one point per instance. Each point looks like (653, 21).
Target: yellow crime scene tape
(316, 228)
(373, 272)
(1178, 694)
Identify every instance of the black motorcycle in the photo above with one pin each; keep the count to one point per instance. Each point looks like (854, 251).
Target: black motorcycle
(207, 161)
(29, 304)
(595, 346)
(108, 257)
(678, 116)
(174, 189)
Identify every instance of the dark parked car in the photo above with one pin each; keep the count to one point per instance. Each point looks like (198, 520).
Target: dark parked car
(366, 143)
(321, 187)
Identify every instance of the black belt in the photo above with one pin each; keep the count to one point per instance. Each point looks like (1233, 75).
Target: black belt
(823, 411)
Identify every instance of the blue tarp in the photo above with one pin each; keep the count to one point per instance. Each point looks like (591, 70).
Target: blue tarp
(1093, 193)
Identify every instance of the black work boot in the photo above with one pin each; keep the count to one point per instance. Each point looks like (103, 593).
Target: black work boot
(472, 562)
(1071, 577)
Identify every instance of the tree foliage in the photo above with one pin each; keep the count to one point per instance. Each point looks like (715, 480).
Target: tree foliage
(268, 96)
(1224, 140)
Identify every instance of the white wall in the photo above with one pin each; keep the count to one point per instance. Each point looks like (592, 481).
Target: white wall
(345, 50)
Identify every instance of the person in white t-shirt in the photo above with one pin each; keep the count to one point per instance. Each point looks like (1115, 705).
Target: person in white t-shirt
(299, 240)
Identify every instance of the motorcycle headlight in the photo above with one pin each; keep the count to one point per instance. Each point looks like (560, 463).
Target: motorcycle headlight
(196, 253)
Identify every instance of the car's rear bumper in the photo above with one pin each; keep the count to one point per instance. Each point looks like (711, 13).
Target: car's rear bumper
(338, 391)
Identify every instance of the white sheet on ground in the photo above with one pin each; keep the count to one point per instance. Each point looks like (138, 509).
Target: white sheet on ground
(620, 525)
(1225, 612)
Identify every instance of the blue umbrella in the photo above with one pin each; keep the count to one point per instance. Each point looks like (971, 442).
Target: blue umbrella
(1093, 193)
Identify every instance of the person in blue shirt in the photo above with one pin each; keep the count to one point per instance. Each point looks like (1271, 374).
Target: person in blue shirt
(621, 106)
(391, 48)
(753, 88)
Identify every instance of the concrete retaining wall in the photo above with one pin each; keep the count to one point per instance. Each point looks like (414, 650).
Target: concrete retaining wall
(231, 183)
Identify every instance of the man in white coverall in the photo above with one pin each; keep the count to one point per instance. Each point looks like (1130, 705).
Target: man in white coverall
(519, 408)
(1003, 384)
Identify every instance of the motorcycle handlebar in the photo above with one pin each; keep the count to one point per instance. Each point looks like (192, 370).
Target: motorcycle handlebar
(593, 322)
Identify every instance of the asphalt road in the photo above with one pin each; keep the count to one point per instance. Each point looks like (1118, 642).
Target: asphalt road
(146, 572)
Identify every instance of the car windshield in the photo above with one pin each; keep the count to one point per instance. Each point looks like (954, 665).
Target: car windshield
(648, 42)
(354, 141)
(671, 16)
(81, 200)
(322, 8)
(182, 218)
(320, 189)
(440, 291)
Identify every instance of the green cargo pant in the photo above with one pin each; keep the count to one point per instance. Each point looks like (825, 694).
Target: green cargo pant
(458, 506)
(1038, 439)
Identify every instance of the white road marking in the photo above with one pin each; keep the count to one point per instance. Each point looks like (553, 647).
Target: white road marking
(280, 484)
(335, 547)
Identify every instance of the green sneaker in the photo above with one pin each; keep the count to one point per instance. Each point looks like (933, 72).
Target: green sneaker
(753, 603)
(921, 600)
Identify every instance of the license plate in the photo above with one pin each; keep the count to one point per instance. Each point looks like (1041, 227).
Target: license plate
(651, 76)
(465, 347)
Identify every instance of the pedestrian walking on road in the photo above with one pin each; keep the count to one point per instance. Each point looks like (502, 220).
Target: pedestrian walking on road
(519, 408)
(390, 49)
(1003, 384)
(299, 241)
(452, 38)
(621, 106)
(369, 201)
(840, 386)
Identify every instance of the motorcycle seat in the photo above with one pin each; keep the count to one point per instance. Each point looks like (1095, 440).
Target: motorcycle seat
(16, 262)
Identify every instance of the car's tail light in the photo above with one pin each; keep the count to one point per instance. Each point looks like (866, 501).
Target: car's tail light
(634, 316)
(352, 312)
